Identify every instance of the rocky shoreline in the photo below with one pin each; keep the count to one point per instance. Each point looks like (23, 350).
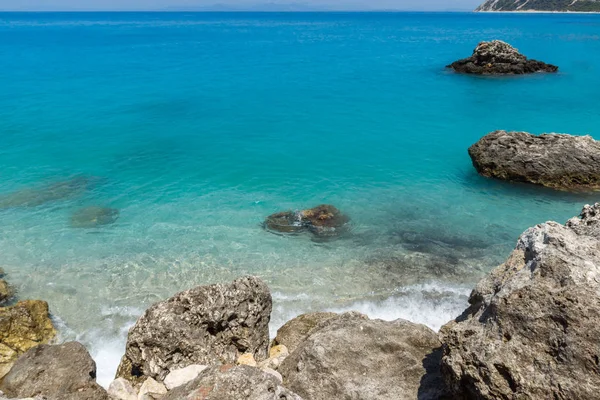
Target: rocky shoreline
(530, 332)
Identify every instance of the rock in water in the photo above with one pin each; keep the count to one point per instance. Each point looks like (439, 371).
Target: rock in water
(295, 331)
(353, 357)
(57, 372)
(92, 217)
(499, 58)
(205, 325)
(227, 382)
(6, 291)
(533, 328)
(22, 327)
(49, 193)
(554, 160)
(322, 221)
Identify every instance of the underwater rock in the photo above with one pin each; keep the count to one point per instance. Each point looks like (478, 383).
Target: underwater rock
(284, 222)
(92, 217)
(499, 58)
(322, 221)
(22, 327)
(353, 357)
(295, 331)
(49, 193)
(229, 382)
(532, 330)
(57, 372)
(206, 325)
(557, 161)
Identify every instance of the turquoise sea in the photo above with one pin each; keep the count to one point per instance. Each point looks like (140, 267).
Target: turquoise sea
(196, 126)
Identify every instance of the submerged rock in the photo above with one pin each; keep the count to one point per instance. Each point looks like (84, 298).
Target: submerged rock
(322, 221)
(499, 58)
(57, 372)
(205, 325)
(49, 193)
(92, 217)
(22, 327)
(554, 160)
(295, 331)
(228, 382)
(532, 330)
(353, 357)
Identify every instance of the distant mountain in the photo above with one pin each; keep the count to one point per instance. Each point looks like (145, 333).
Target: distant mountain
(540, 5)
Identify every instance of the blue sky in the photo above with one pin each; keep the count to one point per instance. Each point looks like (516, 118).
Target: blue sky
(89, 5)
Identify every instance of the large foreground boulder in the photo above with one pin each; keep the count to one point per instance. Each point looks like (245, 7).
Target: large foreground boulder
(22, 327)
(554, 160)
(499, 58)
(533, 328)
(228, 382)
(295, 331)
(353, 357)
(56, 372)
(206, 325)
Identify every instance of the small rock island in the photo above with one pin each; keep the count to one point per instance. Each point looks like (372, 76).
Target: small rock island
(558, 161)
(499, 58)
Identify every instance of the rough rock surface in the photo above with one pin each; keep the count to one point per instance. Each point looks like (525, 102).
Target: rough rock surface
(533, 328)
(180, 377)
(6, 291)
(62, 190)
(57, 372)
(23, 326)
(227, 382)
(205, 325)
(353, 357)
(92, 217)
(122, 389)
(499, 58)
(296, 330)
(322, 221)
(554, 160)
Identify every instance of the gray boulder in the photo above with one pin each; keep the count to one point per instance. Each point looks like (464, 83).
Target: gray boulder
(554, 160)
(55, 372)
(353, 357)
(228, 382)
(499, 58)
(295, 331)
(206, 325)
(533, 328)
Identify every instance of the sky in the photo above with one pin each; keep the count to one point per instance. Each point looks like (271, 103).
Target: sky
(186, 5)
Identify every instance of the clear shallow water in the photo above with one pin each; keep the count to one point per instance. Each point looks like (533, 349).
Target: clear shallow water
(197, 126)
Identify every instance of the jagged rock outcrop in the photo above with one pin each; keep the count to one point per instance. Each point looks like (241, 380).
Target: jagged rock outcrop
(532, 330)
(353, 357)
(22, 327)
(6, 290)
(229, 382)
(322, 221)
(554, 160)
(92, 217)
(540, 5)
(499, 58)
(56, 372)
(206, 325)
(296, 330)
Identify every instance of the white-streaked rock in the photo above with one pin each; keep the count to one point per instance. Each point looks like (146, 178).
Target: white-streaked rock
(151, 389)
(122, 389)
(182, 376)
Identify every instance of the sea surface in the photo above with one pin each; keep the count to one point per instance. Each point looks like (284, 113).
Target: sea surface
(196, 126)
